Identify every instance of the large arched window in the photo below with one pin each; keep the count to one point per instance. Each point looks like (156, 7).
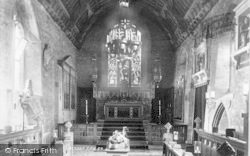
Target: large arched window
(19, 71)
(123, 46)
(11, 113)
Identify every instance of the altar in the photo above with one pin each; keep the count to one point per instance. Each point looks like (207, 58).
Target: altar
(133, 103)
(123, 110)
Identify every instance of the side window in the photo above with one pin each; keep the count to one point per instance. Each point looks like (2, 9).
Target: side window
(20, 44)
(69, 87)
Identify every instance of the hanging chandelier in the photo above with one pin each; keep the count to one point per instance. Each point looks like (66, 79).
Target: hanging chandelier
(123, 45)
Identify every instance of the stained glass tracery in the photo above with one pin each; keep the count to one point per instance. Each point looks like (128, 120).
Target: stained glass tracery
(124, 55)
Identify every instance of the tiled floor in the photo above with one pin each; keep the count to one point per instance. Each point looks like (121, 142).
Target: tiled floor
(89, 150)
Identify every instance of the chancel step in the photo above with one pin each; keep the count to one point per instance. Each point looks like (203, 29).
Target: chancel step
(136, 133)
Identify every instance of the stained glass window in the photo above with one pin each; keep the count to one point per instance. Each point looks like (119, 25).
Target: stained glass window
(124, 55)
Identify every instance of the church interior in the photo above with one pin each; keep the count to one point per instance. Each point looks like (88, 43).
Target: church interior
(125, 77)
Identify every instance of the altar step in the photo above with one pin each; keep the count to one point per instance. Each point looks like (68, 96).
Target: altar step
(136, 133)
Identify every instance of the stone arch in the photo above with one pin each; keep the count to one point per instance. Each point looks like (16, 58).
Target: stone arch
(23, 14)
(23, 10)
(218, 116)
(20, 43)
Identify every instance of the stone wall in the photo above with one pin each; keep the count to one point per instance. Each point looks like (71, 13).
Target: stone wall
(40, 65)
(185, 54)
(225, 80)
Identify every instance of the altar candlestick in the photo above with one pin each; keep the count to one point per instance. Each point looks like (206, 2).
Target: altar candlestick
(104, 110)
(159, 107)
(86, 107)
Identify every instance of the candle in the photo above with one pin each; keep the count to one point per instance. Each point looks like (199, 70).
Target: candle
(86, 107)
(139, 35)
(197, 149)
(176, 133)
(159, 107)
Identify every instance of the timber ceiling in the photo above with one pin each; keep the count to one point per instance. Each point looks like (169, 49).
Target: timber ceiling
(178, 18)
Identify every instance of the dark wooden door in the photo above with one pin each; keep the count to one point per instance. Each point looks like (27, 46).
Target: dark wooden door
(200, 105)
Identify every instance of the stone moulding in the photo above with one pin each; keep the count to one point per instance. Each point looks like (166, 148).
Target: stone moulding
(200, 78)
(131, 95)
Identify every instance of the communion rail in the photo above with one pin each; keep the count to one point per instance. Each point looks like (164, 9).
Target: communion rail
(210, 142)
(209, 145)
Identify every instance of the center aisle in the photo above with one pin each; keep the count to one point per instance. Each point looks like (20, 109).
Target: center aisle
(90, 150)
